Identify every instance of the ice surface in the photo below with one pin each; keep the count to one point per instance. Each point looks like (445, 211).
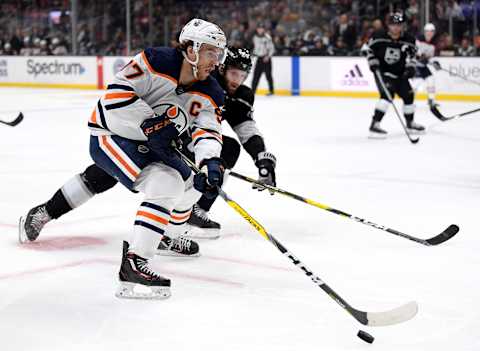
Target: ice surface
(58, 293)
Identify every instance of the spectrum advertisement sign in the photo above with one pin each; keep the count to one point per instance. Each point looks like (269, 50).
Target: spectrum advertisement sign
(49, 69)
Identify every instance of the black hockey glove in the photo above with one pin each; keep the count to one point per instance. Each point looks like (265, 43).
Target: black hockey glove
(161, 134)
(266, 163)
(436, 65)
(411, 50)
(373, 63)
(423, 60)
(210, 177)
(409, 72)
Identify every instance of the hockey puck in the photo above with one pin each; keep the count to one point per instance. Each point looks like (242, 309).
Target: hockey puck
(365, 336)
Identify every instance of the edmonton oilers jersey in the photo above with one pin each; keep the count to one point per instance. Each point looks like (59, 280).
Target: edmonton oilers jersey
(148, 86)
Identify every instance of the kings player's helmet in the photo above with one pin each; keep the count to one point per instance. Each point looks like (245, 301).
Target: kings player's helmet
(238, 58)
(396, 18)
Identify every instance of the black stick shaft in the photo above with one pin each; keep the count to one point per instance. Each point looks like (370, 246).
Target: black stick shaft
(390, 100)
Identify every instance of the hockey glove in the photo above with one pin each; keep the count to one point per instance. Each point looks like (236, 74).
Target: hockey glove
(266, 163)
(423, 60)
(409, 72)
(411, 50)
(210, 178)
(373, 63)
(436, 65)
(161, 134)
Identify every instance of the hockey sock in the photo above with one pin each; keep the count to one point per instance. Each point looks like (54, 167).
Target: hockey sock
(205, 204)
(409, 117)
(57, 206)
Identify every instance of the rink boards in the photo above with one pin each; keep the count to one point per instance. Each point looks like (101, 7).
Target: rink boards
(307, 76)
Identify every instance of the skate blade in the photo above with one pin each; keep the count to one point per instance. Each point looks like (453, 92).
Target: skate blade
(377, 136)
(175, 254)
(201, 233)
(142, 292)
(22, 235)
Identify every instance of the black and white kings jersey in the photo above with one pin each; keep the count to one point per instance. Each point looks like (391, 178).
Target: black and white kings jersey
(393, 55)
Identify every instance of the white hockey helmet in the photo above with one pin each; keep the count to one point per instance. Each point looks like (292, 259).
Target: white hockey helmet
(429, 27)
(201, 32)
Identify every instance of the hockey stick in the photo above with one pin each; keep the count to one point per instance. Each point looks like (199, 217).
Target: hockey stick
(440, 68)
(435, 111)
(374, 319)
(436, 240)
(13, 123)
(443, 118)
(390, 100)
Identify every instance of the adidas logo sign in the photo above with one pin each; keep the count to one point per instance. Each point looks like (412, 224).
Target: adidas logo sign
(354, 77)
(355, 72)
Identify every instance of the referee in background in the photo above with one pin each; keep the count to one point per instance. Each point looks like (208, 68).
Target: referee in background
(263, 48)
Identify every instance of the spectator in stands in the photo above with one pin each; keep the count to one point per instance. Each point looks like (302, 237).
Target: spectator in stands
(16, 42)
(58, 48)
(445, 46)
(346, 31)
(27, 46)
(290, 23)
(465, 49)
(377, 25)
(7, 49)
(319, 49)
(44, 48)
(340, 48)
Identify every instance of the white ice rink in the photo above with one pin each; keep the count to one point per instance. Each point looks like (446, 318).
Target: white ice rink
(241, 294)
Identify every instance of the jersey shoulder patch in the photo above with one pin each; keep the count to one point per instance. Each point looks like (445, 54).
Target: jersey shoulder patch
(211, 88)
(164, 60)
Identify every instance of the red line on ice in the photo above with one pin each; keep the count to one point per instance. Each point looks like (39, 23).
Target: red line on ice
(115, 262)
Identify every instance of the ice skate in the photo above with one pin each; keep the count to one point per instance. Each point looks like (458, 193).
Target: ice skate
(138, 280)
(415, 128)
(30, 226)
(178, 247)
(200, 226)
(376, 132)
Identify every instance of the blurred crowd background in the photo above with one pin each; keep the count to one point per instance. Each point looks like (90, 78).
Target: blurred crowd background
(298, 27)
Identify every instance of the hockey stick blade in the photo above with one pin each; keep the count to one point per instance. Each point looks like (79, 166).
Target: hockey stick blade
(15, 121)
(443, 118)
(380, 319)
(438, 114)
(444, 236)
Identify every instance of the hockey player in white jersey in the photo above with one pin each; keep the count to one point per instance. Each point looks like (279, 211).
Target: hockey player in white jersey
(160, 94)
(425, 52)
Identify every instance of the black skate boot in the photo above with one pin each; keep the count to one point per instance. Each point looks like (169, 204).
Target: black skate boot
(200, 226)
(376, 132)
(415, 128)
(179, 247)
(30, 226)
(135, 274)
